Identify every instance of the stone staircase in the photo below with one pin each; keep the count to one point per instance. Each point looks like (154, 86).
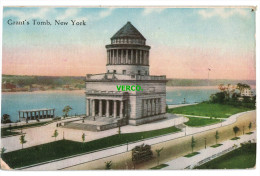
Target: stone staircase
(99, 124)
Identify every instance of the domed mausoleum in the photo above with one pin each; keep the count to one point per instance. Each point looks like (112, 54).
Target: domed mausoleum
(127, 64)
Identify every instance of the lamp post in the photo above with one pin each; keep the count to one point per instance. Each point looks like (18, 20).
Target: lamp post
(205, 140)
(127, 145)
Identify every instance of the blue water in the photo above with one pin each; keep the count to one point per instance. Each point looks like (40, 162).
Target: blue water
(13, 102)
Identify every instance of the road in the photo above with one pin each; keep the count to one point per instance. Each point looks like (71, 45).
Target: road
(175, 145)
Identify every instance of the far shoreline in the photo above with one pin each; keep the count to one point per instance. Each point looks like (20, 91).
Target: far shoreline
(82, 90)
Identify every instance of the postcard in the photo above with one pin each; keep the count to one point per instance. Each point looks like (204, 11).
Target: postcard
(102, 88)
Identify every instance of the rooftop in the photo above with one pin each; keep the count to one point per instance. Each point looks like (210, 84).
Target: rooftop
(128, 31)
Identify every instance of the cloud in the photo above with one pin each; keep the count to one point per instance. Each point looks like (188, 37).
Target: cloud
(223, 13)
(41, 13)
(71, 12)
(148, 11)
(105, 13)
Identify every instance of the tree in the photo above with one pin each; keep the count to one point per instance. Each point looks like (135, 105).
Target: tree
(193, 142)
(6, 118)
(218, 97)
(217, 136)
(66, 110)
(242, 87)
(158, 152)
(2, 151)
(250, 126)
(22, 140)
(108, 165)
(235, 129)
(119, 130)
(55, 134)
(83, 137)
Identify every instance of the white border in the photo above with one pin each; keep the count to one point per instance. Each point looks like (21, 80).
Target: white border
(149, 3)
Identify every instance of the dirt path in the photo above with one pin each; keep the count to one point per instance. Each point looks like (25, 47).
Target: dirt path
(173, 148)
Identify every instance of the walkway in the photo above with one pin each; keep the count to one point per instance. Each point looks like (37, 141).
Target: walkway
(43, 134)
(67, 162)
(183, 162)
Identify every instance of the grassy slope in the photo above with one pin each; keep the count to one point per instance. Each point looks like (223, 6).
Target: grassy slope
(64, 148)
(196, 121)
(240, 158)
(209, 110)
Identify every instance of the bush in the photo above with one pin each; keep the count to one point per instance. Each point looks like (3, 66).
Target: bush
(219, 97)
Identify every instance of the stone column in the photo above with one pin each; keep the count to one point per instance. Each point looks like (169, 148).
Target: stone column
(159, 106)
(147, 57)
(155, 106)
(117, 56)
(47, 114)
(23, 114)
(136, 56)
(142, 108)
(93, 108)
(53, 113)
(126, 109)
(147, 108)
(132, 56)
(126, 57)
(121, 108)
(115, 108)
(27, 115)
(110, 56)
(122, 57)
(152, 107)
(107, 108)
(113, 57)
(100, 108)
(107, 57)
(87, 107)
(141, 57)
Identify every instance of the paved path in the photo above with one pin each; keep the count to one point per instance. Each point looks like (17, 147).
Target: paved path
(183, 162)
(55, 165)
(41, 135)
(180, 105)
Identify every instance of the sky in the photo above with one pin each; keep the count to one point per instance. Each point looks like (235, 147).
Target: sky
(184, 42)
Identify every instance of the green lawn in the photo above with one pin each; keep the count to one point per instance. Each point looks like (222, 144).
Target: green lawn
(241, 158)
(196, 121)
(235, 138)
(191, 154)
(216, 145)
(160, 166)
(8, 131)
(209, 110)
(65, 148)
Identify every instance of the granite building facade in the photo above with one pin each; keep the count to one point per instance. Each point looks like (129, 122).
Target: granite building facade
(127, 64)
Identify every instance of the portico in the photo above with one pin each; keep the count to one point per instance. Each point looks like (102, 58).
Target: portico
(110, 108)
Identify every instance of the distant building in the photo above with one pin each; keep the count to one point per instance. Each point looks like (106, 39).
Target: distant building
(247, 93)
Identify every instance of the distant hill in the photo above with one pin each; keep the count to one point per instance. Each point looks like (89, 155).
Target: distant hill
(56, 81)
(205, 82)
(59, 81)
